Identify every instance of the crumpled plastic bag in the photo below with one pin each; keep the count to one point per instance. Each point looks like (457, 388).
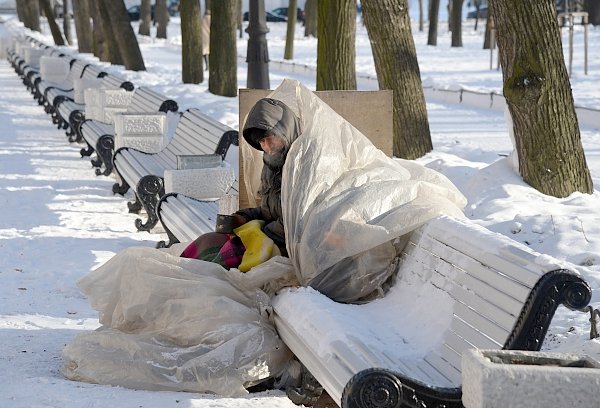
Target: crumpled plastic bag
(172, 323)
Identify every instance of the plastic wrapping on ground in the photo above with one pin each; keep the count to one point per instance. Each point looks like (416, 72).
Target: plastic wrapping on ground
(172, 323)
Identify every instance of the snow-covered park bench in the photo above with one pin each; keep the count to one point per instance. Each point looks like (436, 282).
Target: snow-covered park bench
(97, 128)
(71, 112)
(195, 135)
(185, 215)
(459, 287)
(32, 71)
(50, 94)
(25, 55)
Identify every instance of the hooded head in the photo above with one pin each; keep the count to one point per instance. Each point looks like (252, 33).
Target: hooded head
(270, 120)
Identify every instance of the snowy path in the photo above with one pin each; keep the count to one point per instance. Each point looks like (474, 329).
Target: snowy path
(58, 221)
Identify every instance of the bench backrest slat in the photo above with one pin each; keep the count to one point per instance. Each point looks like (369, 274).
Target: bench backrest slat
(196, 133)
(147, 100)
(449, 372)
(511, 260)
(414, 260)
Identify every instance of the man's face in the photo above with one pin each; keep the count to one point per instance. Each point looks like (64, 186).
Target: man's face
(275, 149)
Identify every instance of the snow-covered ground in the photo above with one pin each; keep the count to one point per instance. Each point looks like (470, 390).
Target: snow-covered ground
(58, 220)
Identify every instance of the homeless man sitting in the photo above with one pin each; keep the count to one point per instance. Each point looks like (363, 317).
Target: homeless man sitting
(272, 127)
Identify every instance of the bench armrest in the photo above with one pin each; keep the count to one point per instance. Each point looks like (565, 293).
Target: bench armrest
(201, 184)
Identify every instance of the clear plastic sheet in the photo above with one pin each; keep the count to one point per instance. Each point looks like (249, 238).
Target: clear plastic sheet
(347, 206)
(171, 323)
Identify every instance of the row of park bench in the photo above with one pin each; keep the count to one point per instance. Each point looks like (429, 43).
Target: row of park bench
(497, 293)
(111, 117)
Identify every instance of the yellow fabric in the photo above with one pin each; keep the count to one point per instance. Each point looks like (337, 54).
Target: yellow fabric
(259, 247)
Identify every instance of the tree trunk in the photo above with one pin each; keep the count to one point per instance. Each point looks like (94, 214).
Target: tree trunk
(31, 14)
(421, 15)
(21, 13)
(336, 54)
(310, 18)
(162, 18)
(489, 25)
(240, 19)
(145, 17)
(191, 42)
(291, 30)
(67, 21)
(456, 18)
(434, 11)
(54, 28)
(593, 9)
(388, 25)
(222, 78)
(83, 28)
(122, 31)
(539, 98)
(100, 44)
(111, 43)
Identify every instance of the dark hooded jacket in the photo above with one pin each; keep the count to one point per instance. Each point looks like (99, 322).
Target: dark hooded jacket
(271, 116)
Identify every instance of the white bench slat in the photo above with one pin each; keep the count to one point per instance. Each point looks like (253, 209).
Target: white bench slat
(422, 370)
(189, 232)
(476, 337)
(488, 328)
(451, 356)
(487, 274)
(513, 262)
(334, 383)
(444, 368)
(497, 299)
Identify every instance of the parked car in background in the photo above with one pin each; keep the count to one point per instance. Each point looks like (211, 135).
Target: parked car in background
(482, 13)
(270, 17)
(134, 11)
(283, 12)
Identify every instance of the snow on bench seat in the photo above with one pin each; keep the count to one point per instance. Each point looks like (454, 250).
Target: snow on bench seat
(459, 286)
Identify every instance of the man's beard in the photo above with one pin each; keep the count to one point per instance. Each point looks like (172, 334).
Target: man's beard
(276, 160)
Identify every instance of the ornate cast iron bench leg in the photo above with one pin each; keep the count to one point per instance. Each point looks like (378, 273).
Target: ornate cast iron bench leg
(104, 148)
(149, 189)
(76, 118)
(120, 188)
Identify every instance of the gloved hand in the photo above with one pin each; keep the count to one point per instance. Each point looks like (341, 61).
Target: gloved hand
(259, 247)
